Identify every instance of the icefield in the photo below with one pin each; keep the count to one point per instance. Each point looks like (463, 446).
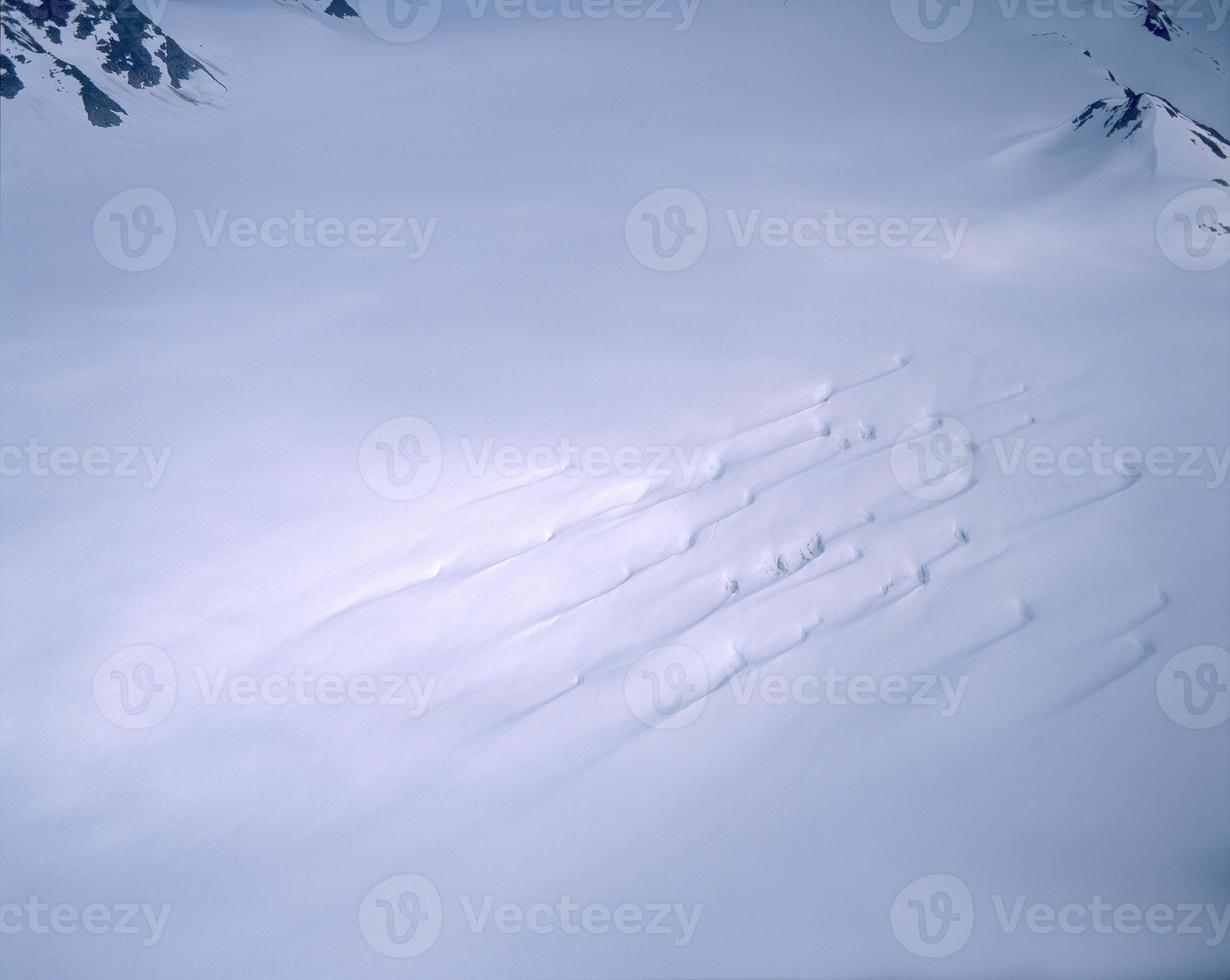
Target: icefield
(615, 489)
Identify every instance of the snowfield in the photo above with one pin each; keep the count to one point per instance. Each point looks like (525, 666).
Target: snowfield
(731, 490)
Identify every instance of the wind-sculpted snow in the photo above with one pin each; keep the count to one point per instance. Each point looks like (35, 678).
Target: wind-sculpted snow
(559, 498)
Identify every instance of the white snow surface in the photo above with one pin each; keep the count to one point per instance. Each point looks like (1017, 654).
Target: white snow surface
(780, 377)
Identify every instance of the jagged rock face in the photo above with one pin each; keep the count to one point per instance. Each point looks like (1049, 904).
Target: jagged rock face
(1124, 117)
(10, 81)
(1159, 23)
(77, 44)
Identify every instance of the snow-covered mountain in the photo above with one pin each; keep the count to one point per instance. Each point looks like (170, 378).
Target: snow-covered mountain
(98, 55)
(1179, 144)
(1118, 130)
(1162, 24)
(737, 493)
(1136, 131)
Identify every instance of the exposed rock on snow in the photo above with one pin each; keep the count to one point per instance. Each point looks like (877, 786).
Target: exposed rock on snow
(97, 52)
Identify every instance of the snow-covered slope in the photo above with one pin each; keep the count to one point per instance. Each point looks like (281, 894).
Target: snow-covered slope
(93, 57)
(1177, 51)
(1118, 134)
(1166, 26)
(1134, 131)
(1180, 146)
(672, 623)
